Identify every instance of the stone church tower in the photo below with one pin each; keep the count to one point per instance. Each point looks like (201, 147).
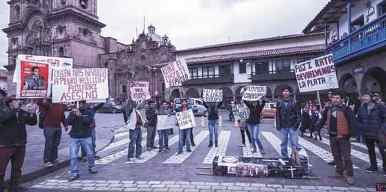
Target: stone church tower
(64, 28)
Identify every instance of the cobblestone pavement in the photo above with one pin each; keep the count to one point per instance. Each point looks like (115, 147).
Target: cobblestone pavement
(166, 171)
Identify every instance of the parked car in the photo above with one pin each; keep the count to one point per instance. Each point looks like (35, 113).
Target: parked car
(197, 106)
(269, 110)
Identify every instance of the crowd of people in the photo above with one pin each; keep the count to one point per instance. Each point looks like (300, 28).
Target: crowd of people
(365, 121)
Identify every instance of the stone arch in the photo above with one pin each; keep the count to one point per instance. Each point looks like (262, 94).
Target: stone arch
(175, 94)
(374, 80)
(281, 87)
(192, 93)
(348, 83)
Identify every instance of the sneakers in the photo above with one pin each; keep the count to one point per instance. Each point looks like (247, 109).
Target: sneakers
(139, 158)
(262, 151)
(73, 178)
(189, 150)
(210, 145)
(129, 159)
(331, 163)
(350, 180)
(48, 164)
(97, 157)
(372, 169)
(92, 170)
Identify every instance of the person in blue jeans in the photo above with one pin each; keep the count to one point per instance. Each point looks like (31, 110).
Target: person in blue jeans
(255, 108)
(212, 121)
(184, 134)
(166, 122)
(80, 137)
(287, 122)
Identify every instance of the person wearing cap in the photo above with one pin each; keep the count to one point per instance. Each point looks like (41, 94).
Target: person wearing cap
(372, 118)
(340, 122)
(13, 138)
(80, 137)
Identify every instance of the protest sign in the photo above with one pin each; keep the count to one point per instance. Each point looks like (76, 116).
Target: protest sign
(70, 85)
(242, 113)
(186, 119)
(175, 73)
(212, 95)
(139, 90)
(254, 93)
(33, 81)
(166, 122)
(316, 74)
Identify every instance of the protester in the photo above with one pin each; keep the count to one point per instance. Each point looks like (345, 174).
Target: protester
(212, 121)
(253, 121)
(80, 137)
(135, 122)
(241, 121)
(91, 110)
(372, 118)
(151, 125)
(315, 117)
(53, 121)
(327, 106)
(185, 134)
(164, 128)
(287, 122)
(340, 122)
(13, 137)
(305, 120)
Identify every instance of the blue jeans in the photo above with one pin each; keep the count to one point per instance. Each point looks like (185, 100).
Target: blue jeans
(184, 139)
(255, 130)
(163, 140)
(213, 131)
(135, 142)
(52, 136)
(75, 144)
(93, 140)
(292, 134)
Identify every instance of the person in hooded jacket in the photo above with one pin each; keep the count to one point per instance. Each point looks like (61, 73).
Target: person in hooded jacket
(13, 137)
(212, 121)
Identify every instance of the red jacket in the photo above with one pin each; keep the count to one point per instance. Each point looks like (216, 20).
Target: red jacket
(54, 114)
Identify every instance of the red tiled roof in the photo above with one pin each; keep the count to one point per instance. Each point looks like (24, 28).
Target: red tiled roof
(259, 53)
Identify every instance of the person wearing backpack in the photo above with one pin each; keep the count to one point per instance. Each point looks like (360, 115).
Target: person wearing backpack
(52, 124)
(212, 121)
(341, 124)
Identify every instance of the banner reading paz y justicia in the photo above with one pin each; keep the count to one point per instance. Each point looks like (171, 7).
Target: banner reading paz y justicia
(139, 90)
(71, 85)
(316, 74)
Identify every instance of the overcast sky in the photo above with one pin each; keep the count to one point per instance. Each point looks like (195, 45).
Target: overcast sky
(192, 23)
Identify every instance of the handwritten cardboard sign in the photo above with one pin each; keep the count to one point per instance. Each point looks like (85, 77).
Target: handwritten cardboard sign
(212, 95)
(254, 93)
(186, 119)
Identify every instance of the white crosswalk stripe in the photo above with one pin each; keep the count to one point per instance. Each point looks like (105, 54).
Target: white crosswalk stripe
(147, 155)
(178, 159)
(220, 150)
(275, 141)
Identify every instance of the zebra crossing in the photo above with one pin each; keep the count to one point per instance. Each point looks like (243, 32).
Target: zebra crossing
(319, 149)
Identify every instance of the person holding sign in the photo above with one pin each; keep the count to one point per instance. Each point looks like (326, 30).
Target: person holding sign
(186, 123)
(135, 121)
(151, 125)
(212, 121)
(287, 122)
(253, 121)
(13, 137)
(241, 116)
(165, 123)
(80, 137)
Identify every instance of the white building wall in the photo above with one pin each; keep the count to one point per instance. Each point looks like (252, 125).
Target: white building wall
(241, 78)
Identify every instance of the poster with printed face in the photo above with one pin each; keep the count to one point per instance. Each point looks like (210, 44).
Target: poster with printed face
(139, 90)
(34, 80)
(175, 73)
(253, 93)
(316, 74)
(186, 119)
(71, 85)
(212, 95)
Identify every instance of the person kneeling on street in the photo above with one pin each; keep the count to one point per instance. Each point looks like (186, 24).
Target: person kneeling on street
(13, 137)
(80, 133)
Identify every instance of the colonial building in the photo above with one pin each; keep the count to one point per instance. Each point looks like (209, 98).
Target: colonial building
(356, 35)
(3, 79)
(231, 66)
(65, 28)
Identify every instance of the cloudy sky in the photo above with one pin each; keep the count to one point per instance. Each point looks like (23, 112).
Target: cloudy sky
(192, 23)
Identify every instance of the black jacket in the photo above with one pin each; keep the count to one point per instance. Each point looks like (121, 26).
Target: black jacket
(287, 116)
(12, 126)
(80, 125)
(127, 109)
(213, 110)
(371, 122)
(255, 111)
(151, 117)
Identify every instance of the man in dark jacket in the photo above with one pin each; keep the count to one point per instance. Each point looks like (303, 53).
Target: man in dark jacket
(151, 126)
(287, 122)
(212, 121)
(340, 122)
(80, 133)
(255, 108)
(372, 118)
(52, 123)
(13, 138)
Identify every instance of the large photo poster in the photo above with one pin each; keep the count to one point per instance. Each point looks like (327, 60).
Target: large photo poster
(139, 90)
(316, 74)
(71, 85)
(34, 80)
